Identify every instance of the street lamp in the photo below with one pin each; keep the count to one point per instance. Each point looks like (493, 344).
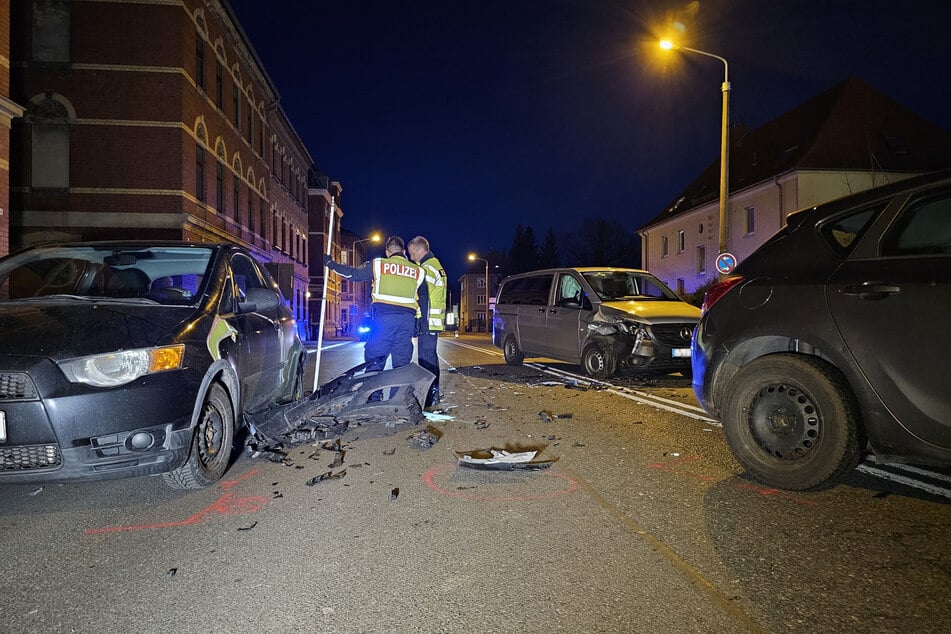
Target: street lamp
(473, 258)
(724, 136)
(353, 248)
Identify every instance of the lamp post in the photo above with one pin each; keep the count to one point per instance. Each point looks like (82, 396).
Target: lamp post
(473, 258)
(353, 248)
(724, 137)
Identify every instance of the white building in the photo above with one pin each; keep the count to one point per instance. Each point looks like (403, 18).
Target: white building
(845, 140)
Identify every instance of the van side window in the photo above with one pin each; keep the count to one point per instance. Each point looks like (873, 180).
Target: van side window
(569, 291)
(537, 289)
(512, 292)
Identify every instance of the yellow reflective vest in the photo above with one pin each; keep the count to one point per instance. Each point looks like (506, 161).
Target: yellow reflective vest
(395, 282)
(436, 288)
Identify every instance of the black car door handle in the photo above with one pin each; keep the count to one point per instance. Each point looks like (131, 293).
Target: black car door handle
(872, 290)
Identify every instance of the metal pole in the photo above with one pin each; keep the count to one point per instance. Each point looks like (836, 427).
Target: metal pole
(725, 166)
(323, 301)
(486, 295)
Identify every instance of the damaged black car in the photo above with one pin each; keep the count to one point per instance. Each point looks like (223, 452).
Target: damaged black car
(128, 359)
(604, 319)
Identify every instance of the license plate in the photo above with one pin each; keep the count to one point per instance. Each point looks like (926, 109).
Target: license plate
(680, 352)
(3, 427)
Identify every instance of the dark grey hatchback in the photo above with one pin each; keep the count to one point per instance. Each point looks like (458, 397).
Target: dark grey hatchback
(132, 358)
(829, 339)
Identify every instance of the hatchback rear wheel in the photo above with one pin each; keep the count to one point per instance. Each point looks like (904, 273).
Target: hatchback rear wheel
(792, 421)
(210, 452)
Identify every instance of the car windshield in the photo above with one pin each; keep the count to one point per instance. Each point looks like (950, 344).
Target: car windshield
(152, 274)
(615, 285)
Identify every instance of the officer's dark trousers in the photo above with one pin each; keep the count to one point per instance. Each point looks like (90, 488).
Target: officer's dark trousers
(392, 334)
(426, 344)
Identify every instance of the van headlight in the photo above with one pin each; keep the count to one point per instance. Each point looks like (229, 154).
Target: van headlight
(125, 366)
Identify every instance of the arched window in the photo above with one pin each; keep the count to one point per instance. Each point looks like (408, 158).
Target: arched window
(49, 146)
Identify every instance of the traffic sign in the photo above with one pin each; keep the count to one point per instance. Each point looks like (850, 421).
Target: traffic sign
(726, 262)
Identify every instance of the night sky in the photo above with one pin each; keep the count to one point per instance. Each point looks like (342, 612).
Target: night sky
(460, 119)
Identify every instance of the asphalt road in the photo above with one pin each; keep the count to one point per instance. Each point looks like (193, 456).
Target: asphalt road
(644, 524)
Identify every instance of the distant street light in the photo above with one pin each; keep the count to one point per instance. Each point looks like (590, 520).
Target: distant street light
(724, 137)
(473, 258)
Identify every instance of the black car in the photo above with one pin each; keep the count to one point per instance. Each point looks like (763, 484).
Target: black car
(830, 338)
(132, 358)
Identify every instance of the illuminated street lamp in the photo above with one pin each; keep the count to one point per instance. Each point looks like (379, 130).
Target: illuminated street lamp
(724, 136)
(473, 258)
(376, 237)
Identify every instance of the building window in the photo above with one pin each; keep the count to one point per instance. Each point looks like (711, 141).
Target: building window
(701, 260)
(237, 196)
(250, 208)
(220, 187)
(480, 300)
(219, 86)
(664, 247)
(681, 241)
(680, 286)
(50, 30)
(200, 63)
(236, 102)
(200, 173)
(263, 229)
(275, 233)
(750, 220)
(49, 145)
(250, 124)
(480, 282)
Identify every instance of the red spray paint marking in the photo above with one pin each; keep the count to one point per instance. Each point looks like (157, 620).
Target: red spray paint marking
(429, 479)
(227, 504)
(672, 465)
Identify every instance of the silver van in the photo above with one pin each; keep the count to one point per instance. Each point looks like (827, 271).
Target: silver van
(604, 319)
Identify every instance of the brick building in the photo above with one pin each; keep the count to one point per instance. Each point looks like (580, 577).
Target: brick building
(8, 110)
(153, 121)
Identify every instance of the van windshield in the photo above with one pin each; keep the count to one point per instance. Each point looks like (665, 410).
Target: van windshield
(620, 285)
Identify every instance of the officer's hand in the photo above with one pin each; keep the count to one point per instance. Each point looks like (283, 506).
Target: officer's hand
(327, 259)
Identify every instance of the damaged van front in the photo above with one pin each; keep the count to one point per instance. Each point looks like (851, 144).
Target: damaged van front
(604, 319)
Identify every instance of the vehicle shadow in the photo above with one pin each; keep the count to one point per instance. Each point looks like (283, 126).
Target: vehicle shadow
(533, 376)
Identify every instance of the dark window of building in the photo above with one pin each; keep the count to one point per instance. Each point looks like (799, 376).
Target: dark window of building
(261, 138)
(219, 86)
(664, 247)
(681, 241)
(237, 196)
(49, 167)
(236, 102)
(275, 233)
(250, 125)
(701, 260)
(200, 63)
(50, 30)
(750, 220)
(263, 228)
(200, 173)
(250, 207)
(220, 187)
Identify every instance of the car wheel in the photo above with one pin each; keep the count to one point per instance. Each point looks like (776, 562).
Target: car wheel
(297, 392)
(513, 354)
(596, 362)
(210, 451)
(792, 421)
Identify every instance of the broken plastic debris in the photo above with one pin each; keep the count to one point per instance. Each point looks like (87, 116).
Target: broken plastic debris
(437, 417)
(171, 572)
(551, 383)
(478, 368)
(37, 492)
(247, 528)
(330, 475)
(547, 416)
(395, 493)
(504, 459)
(389, 452)
(426, 438)
(338, 461)
(481, 423)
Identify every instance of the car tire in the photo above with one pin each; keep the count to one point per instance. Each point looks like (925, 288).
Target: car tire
(792, 422)
(513, 354)
(596, 363)
(297, 390)
(212, 442)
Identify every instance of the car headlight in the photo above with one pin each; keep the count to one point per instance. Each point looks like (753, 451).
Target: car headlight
(119, 368)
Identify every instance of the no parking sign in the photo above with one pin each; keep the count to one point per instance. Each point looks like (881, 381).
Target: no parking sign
(726, 262)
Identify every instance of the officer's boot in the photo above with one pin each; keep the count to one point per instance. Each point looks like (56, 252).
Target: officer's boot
(432, 398)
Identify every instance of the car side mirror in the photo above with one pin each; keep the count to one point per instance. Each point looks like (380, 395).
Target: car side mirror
(259, 299)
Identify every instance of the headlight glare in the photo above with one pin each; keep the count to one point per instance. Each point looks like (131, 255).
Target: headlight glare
(119, 368)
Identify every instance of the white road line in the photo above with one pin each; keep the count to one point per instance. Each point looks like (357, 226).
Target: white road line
(933, 489)
(912, 469)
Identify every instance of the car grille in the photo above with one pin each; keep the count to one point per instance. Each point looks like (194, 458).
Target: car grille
(670, 334)
(26, 457)
(17, 387)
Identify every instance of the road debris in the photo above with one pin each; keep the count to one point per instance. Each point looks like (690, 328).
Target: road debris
(395, 493)
(426, 438)
(171, 572)
(247, 528)
(546, 416)
(389, 452)
(481, 423)
(505, 458)
(437, 417)
(35, 493)
(330, 475)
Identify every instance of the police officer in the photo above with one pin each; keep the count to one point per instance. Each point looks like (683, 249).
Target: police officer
(431, 318)
(396, 282)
